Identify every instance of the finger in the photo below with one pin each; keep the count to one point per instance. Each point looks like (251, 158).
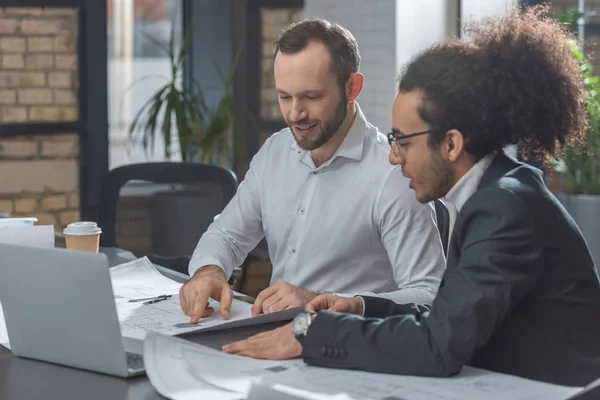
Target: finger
(268, 303)
(208, 312)
(182, 300)
(199, 306)
(262, 296)
(225, 299)
(317, 304)
(276, 306)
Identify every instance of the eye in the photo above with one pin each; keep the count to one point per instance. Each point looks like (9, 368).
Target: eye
(284, 97)
(403, 144)
(317, 97)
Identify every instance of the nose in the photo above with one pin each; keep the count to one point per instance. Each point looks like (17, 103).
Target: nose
(396, 158)
(297, 111)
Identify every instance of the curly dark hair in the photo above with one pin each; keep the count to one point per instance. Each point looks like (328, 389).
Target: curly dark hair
(515, 82)
(340, 42)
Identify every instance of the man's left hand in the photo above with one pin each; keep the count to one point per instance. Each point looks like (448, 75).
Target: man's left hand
(281, 296)
(278, 344)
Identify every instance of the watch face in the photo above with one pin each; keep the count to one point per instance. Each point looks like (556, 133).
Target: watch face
(301, 323)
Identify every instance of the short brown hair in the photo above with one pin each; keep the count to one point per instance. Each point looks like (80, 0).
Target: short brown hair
(341, 44)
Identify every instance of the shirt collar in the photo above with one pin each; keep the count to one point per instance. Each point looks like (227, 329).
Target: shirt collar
(352, 145)
(467, 185)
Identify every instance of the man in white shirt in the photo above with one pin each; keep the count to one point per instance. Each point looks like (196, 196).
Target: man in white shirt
(337, 216)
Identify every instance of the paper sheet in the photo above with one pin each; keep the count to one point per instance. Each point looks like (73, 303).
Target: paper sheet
(207, 369)
(3, 332)
(167, 366)
(139, 279)
(36, 236)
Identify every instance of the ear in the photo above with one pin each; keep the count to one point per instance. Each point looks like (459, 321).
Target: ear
(354, 86)
(454, 144)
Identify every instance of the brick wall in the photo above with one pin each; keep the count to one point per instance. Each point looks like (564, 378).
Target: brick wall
(274, 20)
(38, 83)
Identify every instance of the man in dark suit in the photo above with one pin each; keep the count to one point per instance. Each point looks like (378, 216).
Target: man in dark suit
(521, 294)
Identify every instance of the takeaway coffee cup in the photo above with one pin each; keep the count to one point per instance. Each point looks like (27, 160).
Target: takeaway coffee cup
(84, 236)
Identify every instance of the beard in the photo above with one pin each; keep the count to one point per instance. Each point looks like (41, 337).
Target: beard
(326, 130)
(438, 181)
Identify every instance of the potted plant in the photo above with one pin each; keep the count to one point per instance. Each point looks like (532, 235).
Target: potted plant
(204, 133)
(580, 164)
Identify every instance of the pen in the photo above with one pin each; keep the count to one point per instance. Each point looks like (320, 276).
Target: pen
(161, 297)
(156, 300)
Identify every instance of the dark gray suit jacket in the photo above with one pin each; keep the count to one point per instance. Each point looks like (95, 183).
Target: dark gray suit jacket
(520, 296)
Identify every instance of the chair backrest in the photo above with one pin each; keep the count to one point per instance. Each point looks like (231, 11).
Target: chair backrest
(162, 208)
(443, 222)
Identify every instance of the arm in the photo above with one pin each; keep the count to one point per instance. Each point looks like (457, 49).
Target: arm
(500, 262)
(230, 238)
(410, 236)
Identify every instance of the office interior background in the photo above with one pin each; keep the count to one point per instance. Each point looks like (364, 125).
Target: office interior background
(75, 73)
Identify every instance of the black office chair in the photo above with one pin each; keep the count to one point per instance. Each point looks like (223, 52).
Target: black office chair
(161, 209)
(443, 222)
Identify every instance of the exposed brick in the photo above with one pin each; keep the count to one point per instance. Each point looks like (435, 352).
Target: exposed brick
(53, 113)
(37, 44)
(59, 11)
(279, 16)
(61, 79)
(13, 61)
(66, 217)
(58, 176)
(25, 205)
(6, 206)
(33, 79)
(31, 11)
(39, 61)
(66, 61)
(8, 26)
(74, 200)
(14, 114)
(45, 219)
(22, 79)
(65, 97)
(271, 32)
(35, 96)
(8, 97)
(18, 148)
(12, 44)
(65, 43)
(54, 203)
(41, 26)
(63, 148)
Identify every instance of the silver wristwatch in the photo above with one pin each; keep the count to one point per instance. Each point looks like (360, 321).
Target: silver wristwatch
(300, 325)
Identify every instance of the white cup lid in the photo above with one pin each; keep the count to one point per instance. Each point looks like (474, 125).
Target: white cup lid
(82, 228)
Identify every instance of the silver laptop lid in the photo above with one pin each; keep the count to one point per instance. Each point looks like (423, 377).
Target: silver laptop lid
(59, 307)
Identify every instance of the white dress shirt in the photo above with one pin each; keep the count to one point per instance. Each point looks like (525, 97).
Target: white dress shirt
(351, 225)
(467, 185)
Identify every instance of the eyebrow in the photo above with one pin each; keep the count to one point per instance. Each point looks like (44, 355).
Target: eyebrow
(303, 93)
(398, 132)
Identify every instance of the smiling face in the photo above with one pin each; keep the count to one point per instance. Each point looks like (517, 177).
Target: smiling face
(310, 97)
(430, 172)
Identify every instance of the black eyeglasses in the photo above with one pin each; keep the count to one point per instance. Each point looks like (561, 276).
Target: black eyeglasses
(396, 135)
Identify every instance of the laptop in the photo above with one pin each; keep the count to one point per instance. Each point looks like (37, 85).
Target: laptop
(59, 307)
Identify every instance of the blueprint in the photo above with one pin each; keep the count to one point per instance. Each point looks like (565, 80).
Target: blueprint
(182, 370)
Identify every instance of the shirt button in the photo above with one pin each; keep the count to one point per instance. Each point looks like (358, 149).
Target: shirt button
(302, 211)
(293, 250)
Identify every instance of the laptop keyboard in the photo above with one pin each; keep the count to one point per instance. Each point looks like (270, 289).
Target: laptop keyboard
(135, 361)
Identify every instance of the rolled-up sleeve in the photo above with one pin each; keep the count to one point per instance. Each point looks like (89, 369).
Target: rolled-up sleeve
(237, 230)
(410, 236)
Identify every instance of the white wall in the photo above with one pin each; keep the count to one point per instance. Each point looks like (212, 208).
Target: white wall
(372, 22)
(390, 32)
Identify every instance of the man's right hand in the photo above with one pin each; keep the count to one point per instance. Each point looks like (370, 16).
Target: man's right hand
(208, 281)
